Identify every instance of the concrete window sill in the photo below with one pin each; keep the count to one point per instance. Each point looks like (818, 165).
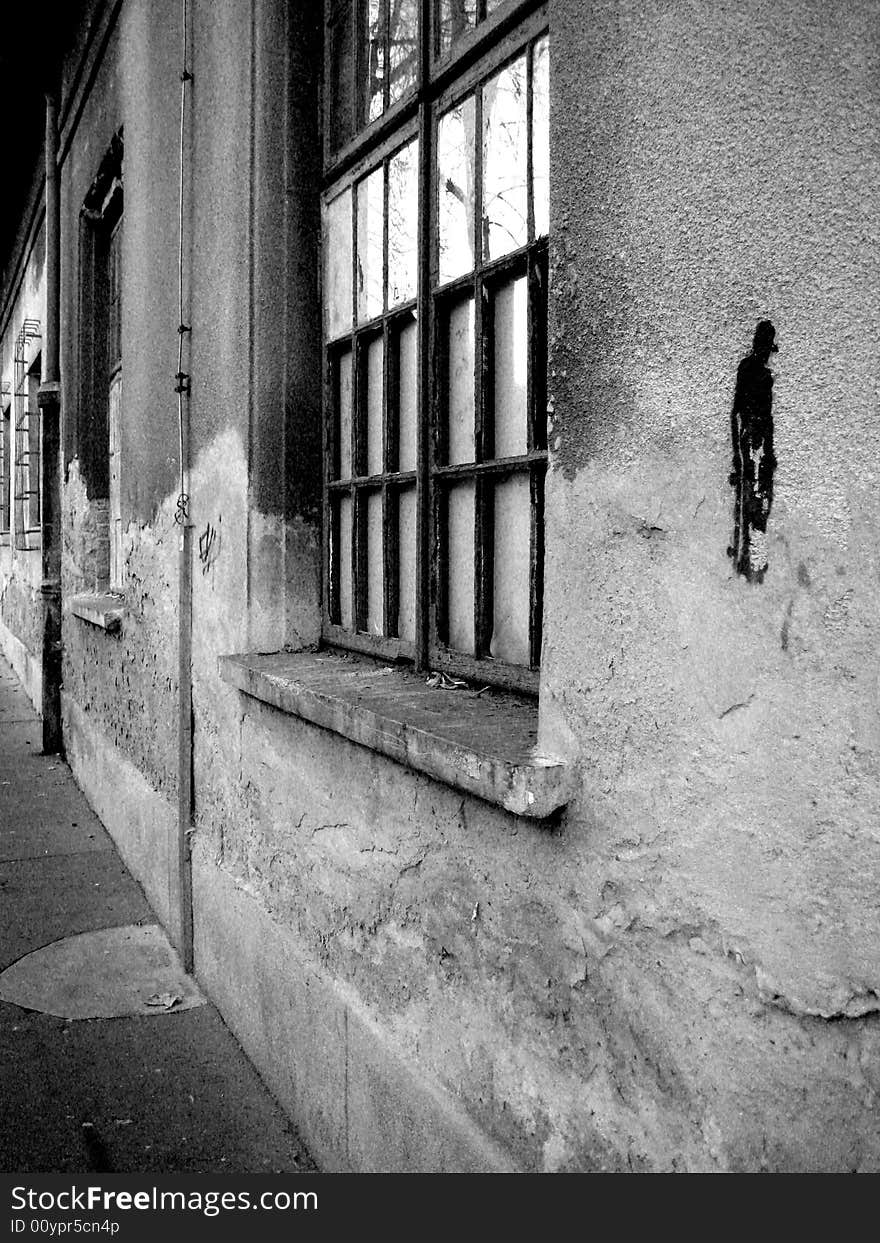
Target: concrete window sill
(102, 609)
(483, 743)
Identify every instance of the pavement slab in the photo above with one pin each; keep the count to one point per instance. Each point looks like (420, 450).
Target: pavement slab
(102, 975)
(169, 1092)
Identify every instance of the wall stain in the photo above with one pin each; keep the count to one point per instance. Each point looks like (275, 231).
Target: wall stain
(754, 463)
(786, 624)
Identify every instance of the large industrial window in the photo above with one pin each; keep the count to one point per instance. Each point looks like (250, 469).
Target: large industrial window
(26, 450)
(100, 359)
(435, 222)
(5, 456)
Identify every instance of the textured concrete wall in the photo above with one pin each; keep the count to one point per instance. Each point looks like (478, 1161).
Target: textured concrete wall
(125, 684)
(727, 835)
(683, 973)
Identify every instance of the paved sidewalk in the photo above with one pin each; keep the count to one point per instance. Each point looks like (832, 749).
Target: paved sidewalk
(166, 1092)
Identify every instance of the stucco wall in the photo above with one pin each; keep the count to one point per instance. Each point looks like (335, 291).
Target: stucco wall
(677, 976)
(726, 729)
(683, 972)
(120, 690)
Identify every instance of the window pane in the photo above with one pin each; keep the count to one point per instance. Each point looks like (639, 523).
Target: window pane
(372, 42)
(370, 214)
(343, 414)
(407, 395)
(341, 74)
(403, 207)
(372, 379)
(509, 367)
(505, 153)
(460, 567)
(342, 562)
(541, 136)
(337, 265)
(456, 18)
(375, 568)
(460, 381)
(114, 299)
(403, 49)
(455, 189)
(406, 528)
(513, 521)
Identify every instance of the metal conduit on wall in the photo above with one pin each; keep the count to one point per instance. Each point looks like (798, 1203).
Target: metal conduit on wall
(182, 517)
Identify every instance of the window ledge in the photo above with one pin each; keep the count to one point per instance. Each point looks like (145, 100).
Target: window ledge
(481, 743)
(100, 608)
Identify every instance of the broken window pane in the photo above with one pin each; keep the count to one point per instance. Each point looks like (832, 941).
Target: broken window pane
(455, 190)
(403, 48)
(460, 382)
(407, 394)
(455, 19)
(372, 380)
(337, 265)
(406, 527)
(343, 414)
(505, 153)
(375, 564)
(510, 591)
(370, 228)
(541, 136)
(372, 65)
(460, 567)
(403, 215)
(509, 363)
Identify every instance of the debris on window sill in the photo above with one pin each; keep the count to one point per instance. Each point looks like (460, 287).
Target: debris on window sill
(484, 744)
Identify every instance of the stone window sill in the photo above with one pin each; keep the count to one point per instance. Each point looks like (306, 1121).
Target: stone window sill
(103, 609)
(482, 743)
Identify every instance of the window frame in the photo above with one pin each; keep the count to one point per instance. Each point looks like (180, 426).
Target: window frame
(442, 81)
(5, 460)
(100, 355)
(25, 436)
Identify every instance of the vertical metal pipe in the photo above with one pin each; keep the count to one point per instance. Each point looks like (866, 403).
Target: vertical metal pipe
(184, 699)
(49, 399)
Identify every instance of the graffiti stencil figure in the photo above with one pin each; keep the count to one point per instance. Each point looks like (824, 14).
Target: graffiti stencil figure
(754, 463)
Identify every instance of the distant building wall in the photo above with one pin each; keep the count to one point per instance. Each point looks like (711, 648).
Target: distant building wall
(21, 606)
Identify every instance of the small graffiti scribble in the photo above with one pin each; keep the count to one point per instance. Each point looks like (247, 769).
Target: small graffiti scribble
(209, 546)
(754, 463)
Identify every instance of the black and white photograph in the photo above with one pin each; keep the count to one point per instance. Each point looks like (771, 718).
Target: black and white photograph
(439, 601)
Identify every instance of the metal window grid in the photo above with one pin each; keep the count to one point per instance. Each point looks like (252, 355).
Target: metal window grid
(27, 438)
(500, 34)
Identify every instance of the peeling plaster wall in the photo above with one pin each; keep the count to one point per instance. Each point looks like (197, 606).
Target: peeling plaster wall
(127, 682)
(727, 731)
(120, 689)
(649, 985)
(682, 973)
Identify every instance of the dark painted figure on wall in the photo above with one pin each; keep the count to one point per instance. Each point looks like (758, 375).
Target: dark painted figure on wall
(754, 463)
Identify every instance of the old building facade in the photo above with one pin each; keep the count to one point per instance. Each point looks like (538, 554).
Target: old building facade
(457, 491)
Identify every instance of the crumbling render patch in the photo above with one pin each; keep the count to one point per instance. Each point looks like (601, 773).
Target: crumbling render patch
(847, 1000)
